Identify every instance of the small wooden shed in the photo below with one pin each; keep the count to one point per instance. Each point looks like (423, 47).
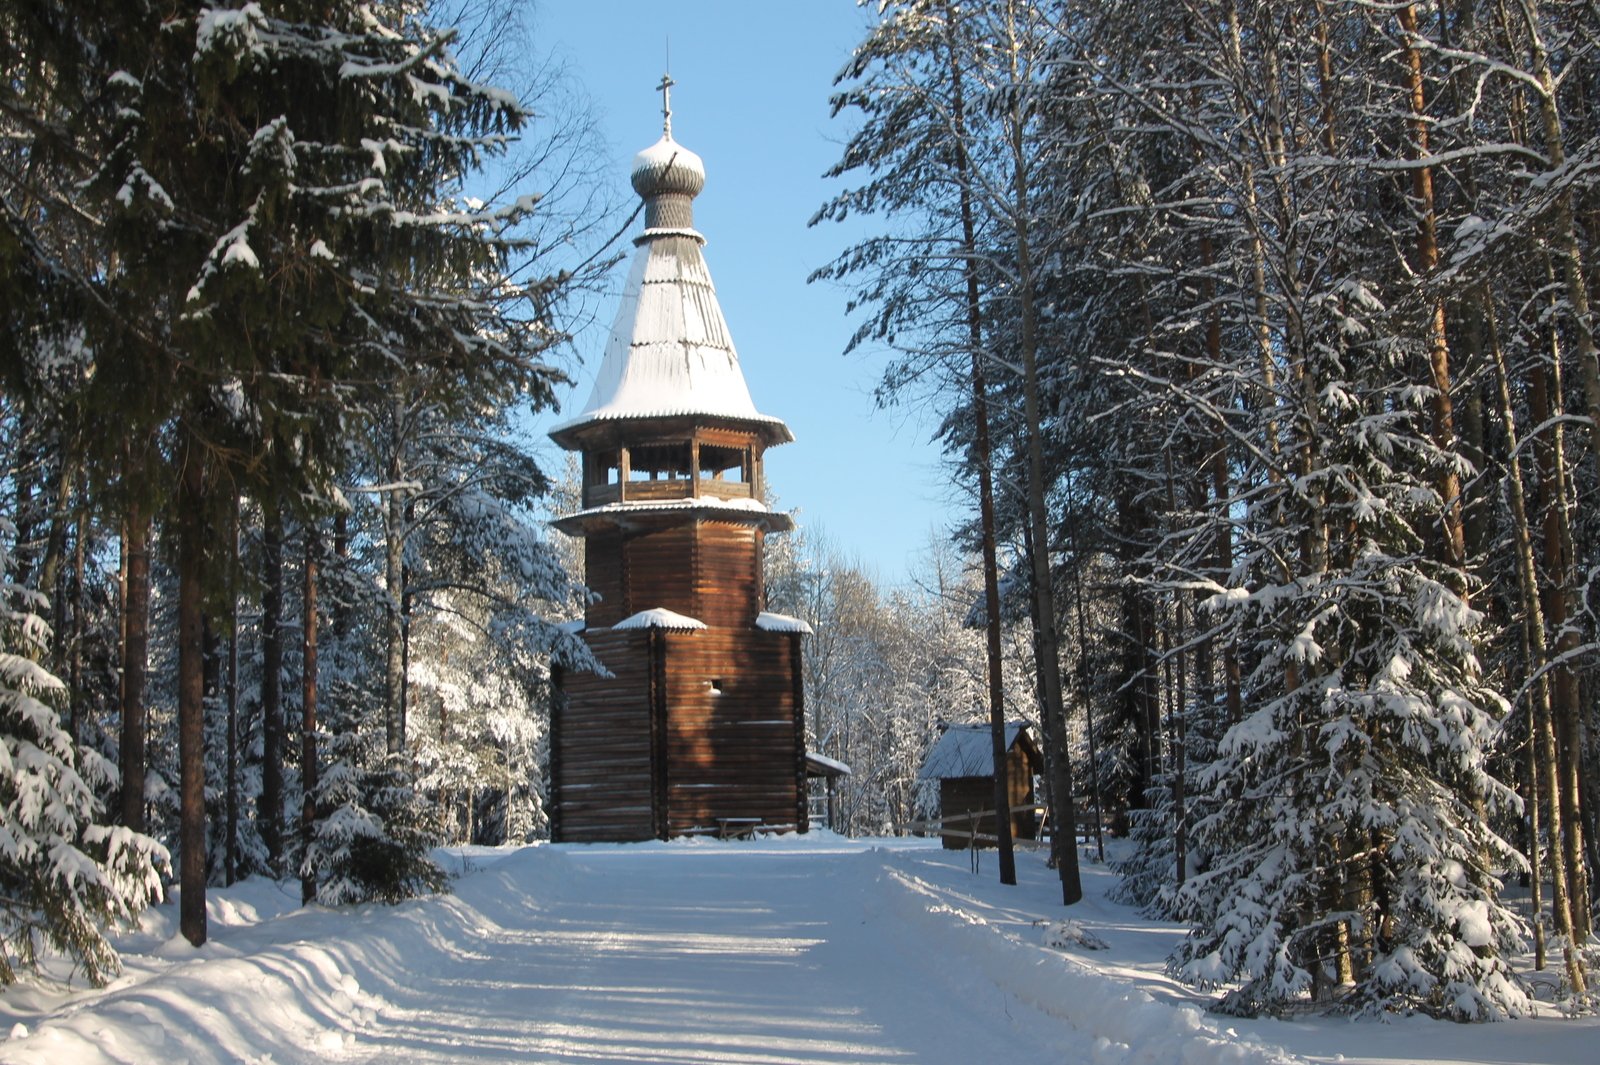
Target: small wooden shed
(962, 761)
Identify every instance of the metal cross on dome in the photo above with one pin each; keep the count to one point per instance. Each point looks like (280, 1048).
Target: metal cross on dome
(666, 103)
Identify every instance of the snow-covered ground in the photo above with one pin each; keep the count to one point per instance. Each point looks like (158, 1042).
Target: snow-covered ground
(805, 949)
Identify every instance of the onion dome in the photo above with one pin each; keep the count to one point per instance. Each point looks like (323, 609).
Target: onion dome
(667, 168)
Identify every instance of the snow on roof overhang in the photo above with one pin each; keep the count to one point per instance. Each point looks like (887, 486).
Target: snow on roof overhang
(820, 765)
(708, 508)
(781, 623)
(660, 618)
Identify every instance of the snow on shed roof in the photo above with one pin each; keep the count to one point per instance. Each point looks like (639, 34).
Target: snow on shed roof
(965, 751)
(660, 618)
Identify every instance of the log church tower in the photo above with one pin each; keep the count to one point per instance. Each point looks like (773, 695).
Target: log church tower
(700, 726)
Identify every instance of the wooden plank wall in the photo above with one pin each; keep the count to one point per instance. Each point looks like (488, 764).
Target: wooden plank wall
(601, 783)
(602, 552)
(734, 753)
(658, 569)
(707, 570)
(727, 574)
(739, 753)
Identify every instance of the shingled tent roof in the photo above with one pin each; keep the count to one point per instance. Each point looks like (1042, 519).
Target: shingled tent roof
(965, 751)
(670, 353)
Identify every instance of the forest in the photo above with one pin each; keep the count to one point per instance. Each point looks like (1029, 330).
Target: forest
(1261, 339)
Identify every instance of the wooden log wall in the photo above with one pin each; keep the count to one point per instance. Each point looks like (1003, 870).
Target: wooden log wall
(709, 570)
(727, 574)
(601, 779)
(737, 752)
(658, 569)
(603, 575)
(695, 729)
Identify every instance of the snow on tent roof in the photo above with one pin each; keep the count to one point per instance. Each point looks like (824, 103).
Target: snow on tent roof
(669, 353)
(965, 751)
(660, 618)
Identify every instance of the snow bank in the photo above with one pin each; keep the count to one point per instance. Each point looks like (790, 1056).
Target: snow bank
(275, 982)
(1127, 1026)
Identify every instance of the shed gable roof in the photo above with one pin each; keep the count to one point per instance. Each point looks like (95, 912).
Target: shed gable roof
(965, 751)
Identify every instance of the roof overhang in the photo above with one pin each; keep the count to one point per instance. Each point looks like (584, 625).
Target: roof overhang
(671, 512)
(601, 431)
(820, 765)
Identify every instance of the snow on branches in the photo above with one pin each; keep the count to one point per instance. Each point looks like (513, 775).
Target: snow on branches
(65, 875)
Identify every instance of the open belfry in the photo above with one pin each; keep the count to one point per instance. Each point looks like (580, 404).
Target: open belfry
(699, 728)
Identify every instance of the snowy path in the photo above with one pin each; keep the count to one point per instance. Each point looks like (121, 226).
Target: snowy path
(714, 953)
(815, 950)
(732, 956)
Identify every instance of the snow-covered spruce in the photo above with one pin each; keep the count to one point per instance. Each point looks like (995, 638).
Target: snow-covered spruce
(372, 831)
(1347, 814)
(373, 834)
(64, 874)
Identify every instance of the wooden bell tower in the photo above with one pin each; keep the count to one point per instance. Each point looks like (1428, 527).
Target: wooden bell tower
(699, 728)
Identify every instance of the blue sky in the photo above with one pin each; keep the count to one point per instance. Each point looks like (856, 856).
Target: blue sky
(751, 99)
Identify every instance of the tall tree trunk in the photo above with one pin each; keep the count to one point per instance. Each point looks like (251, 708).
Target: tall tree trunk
(1217, 466)
(1561, 608)
(135, 658)
(191, 696)
(981, 460)
(75, 637)
(26, 472)
(1086, 694)
(1569, 250)
(270, 811)
(1064, 849)
(1564, 900)
(52, 571)
(308, 720)
(394, 538)
(1180, 715)
(406, 603)
(1441, 409)
(1537, 655)
(231, 810)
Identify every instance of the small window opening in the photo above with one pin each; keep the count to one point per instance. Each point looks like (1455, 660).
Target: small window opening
(716, 686)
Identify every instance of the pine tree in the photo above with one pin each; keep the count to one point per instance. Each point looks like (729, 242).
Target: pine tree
(64, 873)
